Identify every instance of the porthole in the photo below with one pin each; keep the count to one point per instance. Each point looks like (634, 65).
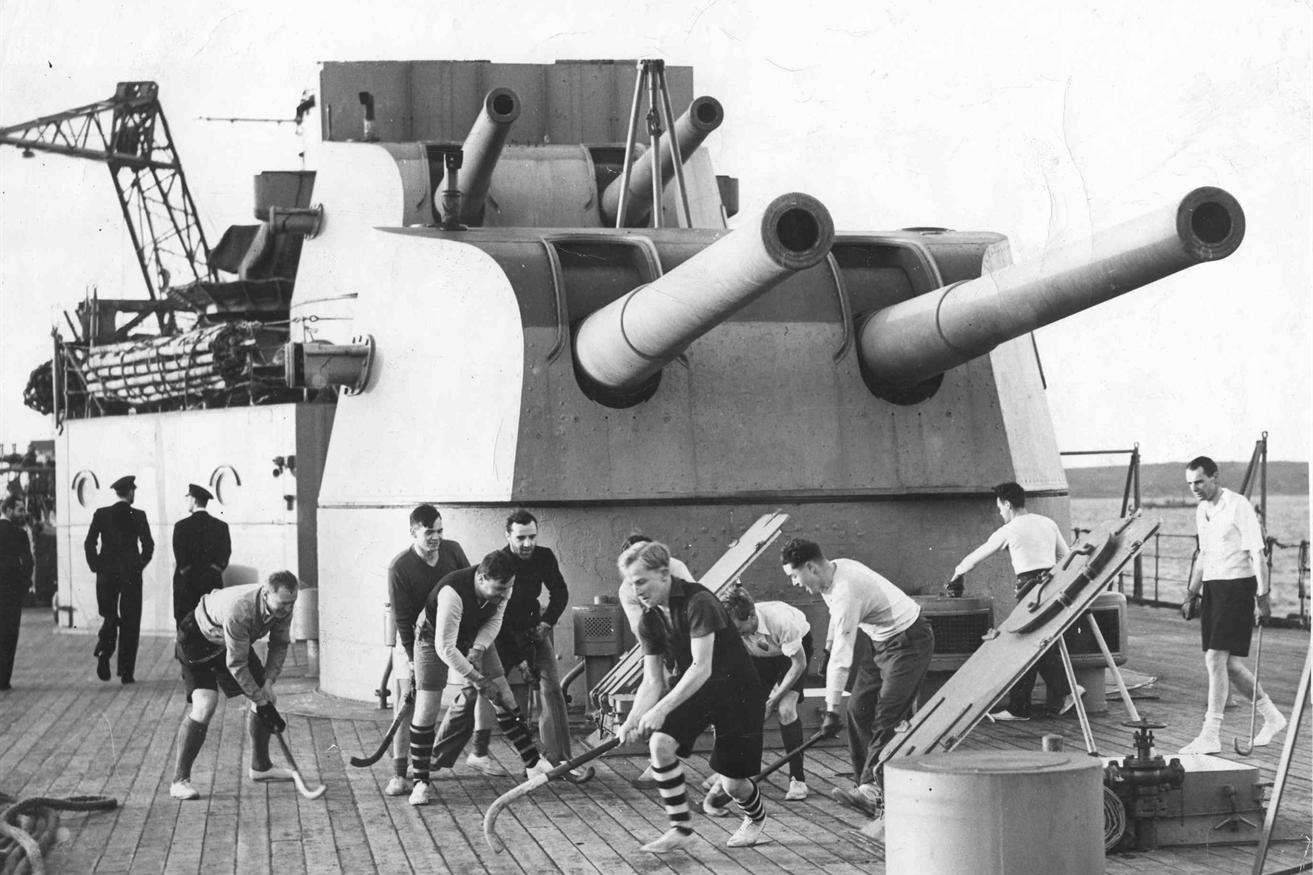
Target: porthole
(226, 484)
(86, 486)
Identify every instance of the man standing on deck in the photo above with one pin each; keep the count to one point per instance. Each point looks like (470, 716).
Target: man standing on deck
(125, 548)
(879, 630)
(15, 581)
(718, 686)
(215, 649)
(201, 550)
(455, 635)
(1228, 577)
(412, 575)
(1034, 544)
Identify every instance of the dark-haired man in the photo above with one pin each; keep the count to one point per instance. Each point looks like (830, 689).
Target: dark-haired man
(1228, 578)
(125, 548)
(201, 550)
(455, 636)
(15, 581)
(215, 649)
(1034, 544)
(878, 630)
(412, 575)
(717, 686)
(527, 627)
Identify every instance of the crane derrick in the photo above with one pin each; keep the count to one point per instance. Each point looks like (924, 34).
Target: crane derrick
(129, 133)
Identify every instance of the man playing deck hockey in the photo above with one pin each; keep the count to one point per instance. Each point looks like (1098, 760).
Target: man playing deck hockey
(214, 647)
(685, 623)
(455, 635)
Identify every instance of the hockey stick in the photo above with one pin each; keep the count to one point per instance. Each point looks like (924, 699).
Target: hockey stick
(719, 797)
(296, 773)
(407, 708)
(1248, 747)
(494, 810)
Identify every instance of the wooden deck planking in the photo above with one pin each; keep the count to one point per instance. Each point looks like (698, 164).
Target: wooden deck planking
(241, 827)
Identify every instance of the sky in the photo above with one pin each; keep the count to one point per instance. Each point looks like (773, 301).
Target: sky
(1043, 122)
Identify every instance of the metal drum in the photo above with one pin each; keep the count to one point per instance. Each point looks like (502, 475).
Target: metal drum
(1001, 812)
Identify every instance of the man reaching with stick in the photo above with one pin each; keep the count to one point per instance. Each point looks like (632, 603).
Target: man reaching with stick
(718, 686)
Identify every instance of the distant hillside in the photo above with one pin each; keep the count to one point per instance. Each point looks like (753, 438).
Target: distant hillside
(1168, 479)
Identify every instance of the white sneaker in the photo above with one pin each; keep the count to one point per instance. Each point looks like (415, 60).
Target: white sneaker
(1070, 701)
(797, 791)
(710, 781)
(1206, 743)
(716, 803)
(542, 767)
(671, 840)
(423, 794)
(270, 774)
(1005, 716)
(183, 790)
(1273, 726)
(397, 786)
(485, 764)
(748, 834)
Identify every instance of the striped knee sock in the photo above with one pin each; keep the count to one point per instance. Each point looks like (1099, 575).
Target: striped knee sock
(421, 750)
(670, 783)
(512, 725)
(753, 807)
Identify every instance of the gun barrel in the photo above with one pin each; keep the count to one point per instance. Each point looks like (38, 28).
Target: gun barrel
(907, 343)
(623, 344)
(482, 148)
(702, 117)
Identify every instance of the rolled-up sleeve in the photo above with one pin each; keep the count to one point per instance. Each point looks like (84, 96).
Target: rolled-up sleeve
(446, 630)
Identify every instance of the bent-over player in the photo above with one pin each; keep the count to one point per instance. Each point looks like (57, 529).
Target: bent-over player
(779, 640)
(718, 686)
(214, 647)
(879, 630)
(455, 635)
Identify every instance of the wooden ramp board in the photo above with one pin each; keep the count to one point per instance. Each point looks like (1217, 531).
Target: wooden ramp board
(1037, 622)
(628, 671)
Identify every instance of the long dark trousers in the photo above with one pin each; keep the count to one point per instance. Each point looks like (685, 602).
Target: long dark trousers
(119, 602)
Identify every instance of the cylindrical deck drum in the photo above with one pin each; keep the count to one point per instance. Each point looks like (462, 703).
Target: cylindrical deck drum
(994, 813)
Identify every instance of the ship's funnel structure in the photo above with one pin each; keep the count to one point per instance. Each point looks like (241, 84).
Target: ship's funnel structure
(482, 148)
(913, 341)
(702, 117)
(625, 343)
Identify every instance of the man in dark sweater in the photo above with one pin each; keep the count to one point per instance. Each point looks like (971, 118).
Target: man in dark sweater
(526, 631)
(412, 575)
(686, 624)
(15, 580)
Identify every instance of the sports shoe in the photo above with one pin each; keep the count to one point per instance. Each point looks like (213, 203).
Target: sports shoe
(797, 791)
(867, 801)
(1069, 701)
(270, 774)
(748, 833)
(1006, 716)
(485, 764)
(423, 794)
(645, 781)
(671, 840)
(184, 790)
(397, 786)
(716, 804)
(542, 767)
(1273, 725)
(710, 781)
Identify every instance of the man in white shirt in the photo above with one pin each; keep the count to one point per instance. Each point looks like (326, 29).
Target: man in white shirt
(877, 629)
(1034, 544)
(1228, 576)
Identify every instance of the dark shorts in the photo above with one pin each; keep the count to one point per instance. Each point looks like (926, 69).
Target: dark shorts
(1226, 615)
(737, 716)
(771, 669)
(213, 673)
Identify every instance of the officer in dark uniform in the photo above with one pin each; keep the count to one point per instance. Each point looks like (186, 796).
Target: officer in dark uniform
(15, 579)
(125, 548)
(201, 547)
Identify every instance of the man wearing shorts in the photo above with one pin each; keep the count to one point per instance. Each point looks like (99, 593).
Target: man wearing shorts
(455, 635)
(214, 647)
(1228, 576)
(718, 686)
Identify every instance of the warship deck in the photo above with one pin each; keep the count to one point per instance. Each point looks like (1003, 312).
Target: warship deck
(62, 732)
